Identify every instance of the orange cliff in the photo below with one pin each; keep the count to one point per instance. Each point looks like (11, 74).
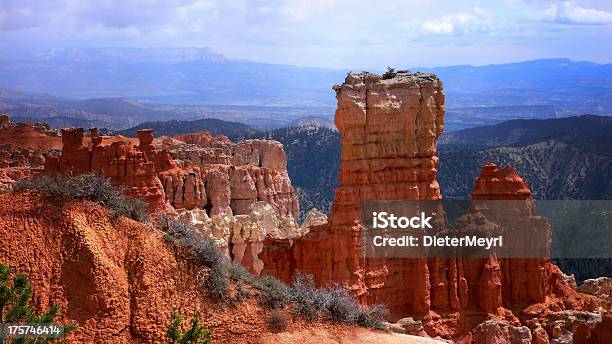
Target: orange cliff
(389, 130)
(196, 171)
(120, 280)
(235, 175)
(122, 162)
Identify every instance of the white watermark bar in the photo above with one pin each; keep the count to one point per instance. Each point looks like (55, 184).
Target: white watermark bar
(481, 228)
(47, 330)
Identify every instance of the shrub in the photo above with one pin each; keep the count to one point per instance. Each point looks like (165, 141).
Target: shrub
(194, 334)
(277, 320)
(390, 73)
(15, 296)
(334, 304)
(370, 316)
(307, 300)
(274, 293)
(90, 187)
(241, 292)
(213, 276)
(238, 273)
(339, 305)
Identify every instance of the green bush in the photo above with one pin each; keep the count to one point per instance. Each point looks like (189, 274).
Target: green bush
(277, 320)
(15, 297)
(90, 187)
(176, 332)
(390, 73)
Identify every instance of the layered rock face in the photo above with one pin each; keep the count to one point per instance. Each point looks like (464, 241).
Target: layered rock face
(23, 150)
(120, 280)
(236, 175)
(123, 163)
(389, 129)
(224, 188)
(241, 237)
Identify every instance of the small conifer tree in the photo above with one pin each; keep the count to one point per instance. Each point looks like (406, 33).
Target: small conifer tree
(195, 333)
(15, 295)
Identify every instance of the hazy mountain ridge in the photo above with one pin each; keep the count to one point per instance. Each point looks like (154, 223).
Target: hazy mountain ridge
(180, 81)
(233, 130)
(523, 132)
(201, 76)
(553, 169)
(123, 113)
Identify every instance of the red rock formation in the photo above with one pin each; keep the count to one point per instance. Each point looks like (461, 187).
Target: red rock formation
(389, 129)
(120, 161)
(215, 174)
(500, 184)
(236, 175)
(37, 136)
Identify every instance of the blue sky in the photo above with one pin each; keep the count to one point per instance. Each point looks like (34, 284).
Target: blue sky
(326, 33)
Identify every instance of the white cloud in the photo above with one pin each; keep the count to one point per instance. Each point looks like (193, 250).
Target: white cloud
(474, 20)
(569, 13)
(448, 24)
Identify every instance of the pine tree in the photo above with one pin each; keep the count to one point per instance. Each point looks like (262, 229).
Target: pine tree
(194, 334)
(15, 297)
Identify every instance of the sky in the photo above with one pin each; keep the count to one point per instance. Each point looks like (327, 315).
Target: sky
(341, 34)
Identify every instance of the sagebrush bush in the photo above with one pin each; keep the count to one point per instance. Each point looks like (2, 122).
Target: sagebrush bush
(274, 293)
(307, 300)
(213, 276)
(334, 304)
(238, 273)
(90, 187)
(339, 306)
(277, 320)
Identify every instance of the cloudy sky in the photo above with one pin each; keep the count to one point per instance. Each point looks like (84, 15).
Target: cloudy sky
(326, 33)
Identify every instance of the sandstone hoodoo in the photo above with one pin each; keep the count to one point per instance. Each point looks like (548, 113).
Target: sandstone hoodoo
(196, 171)
(123, 163)
(236, 174)
(389, 128)
(237, 193)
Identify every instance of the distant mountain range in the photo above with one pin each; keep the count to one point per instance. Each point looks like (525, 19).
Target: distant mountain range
(123, 113)
(192, 83)
(482, 95)
(565, 158)
(233, 130)
(168, 75)
(523, 132)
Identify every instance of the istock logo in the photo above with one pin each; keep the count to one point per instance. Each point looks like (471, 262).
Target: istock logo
(383, 220)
